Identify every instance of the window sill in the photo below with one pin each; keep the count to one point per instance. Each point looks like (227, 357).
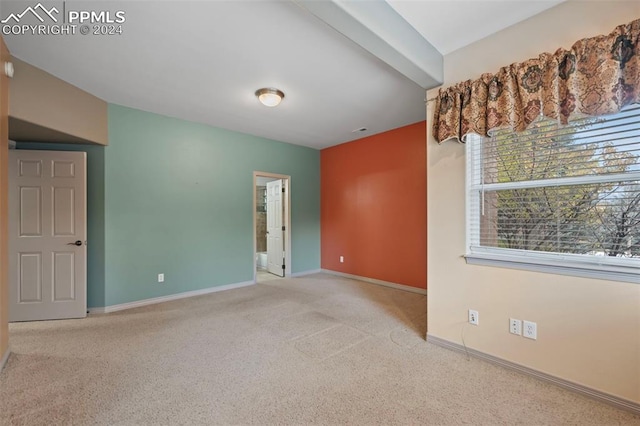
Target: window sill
(558, 267)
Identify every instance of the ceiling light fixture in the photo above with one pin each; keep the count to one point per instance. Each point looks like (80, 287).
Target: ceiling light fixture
(269, 97)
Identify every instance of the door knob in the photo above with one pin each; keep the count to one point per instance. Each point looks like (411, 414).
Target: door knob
(77, 243)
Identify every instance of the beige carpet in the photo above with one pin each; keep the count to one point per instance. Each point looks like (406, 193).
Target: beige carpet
(263, 275)
(312, 350)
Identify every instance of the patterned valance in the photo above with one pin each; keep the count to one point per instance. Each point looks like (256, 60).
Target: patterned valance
(597, 76)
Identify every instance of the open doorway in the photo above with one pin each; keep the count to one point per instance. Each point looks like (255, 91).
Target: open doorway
(271, 226)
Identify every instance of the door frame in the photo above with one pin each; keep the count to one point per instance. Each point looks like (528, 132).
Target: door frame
(286, 220)
(4, 209)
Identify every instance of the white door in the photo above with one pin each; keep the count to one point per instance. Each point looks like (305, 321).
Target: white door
(47, 233)
(275, 240)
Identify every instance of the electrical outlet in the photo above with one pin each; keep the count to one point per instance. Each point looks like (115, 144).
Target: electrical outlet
(515, 326)
(473, 317)
(341, 259)
(530, 330)
(160, 278)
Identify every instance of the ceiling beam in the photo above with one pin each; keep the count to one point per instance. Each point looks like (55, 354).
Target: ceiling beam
(379, 29)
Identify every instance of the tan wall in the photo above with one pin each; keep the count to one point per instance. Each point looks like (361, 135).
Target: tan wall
(588, 330)
(39, 98)
(4, 106)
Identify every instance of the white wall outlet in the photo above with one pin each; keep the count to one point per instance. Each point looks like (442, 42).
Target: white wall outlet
(530, 330)
(160, 278)
(515, 326)
(341, 259)
(473, 317)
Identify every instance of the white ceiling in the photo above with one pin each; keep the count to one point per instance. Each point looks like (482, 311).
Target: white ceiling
(452, 24)
(202, 61)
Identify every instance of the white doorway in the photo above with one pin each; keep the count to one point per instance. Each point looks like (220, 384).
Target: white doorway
(47, 235)
(275, 229)
(271, 225)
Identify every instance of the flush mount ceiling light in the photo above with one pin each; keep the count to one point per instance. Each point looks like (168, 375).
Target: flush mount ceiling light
(269, 97)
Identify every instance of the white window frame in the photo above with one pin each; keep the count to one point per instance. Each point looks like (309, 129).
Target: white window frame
(599, 267)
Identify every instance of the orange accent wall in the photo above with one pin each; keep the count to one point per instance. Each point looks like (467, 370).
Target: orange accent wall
(374, 206)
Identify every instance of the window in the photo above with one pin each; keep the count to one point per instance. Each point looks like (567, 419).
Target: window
(561, 199)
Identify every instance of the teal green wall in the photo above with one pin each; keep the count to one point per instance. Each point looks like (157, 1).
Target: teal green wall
(95, 215)
(174, 197)
(179, 201)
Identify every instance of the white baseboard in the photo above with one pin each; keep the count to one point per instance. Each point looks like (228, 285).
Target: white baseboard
(377, 282)
(303, 273)
(4, 359)
(161, 299)
(618, 402)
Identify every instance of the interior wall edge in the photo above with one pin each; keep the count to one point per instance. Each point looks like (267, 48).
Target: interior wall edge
(5, 358)
(305, 273)
(587, 391)
(169, 298)
(377, 282)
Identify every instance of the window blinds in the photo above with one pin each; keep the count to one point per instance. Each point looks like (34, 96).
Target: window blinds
(558, 189)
